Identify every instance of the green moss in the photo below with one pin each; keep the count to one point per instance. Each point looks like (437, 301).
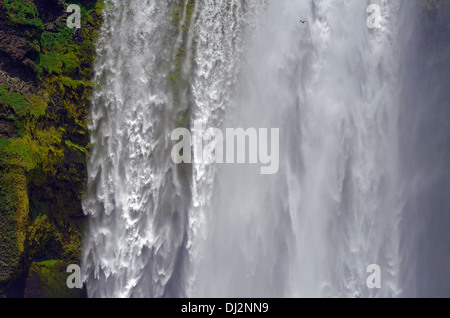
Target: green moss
(48, 239)
(3, 143)
(181, 121)
(50, 278)
(51, 64)
(21, 153)
(75, 147)
(13, 218)
(44, 240)
(57, 42)
(36, 105)
(177, 80)
(71, 63)
(43, 151)
(178, 11)
(76, 95)
(61, 55)
(23, 106)
(13, 100)
(8, 233)
(72, 246)
(23, 12)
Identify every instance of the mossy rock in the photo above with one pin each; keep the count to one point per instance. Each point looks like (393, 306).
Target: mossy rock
(24, 13)
(44, 240)
(48, 279)
(44, 142)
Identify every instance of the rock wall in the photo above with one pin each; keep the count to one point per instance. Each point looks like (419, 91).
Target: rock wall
(45, 88)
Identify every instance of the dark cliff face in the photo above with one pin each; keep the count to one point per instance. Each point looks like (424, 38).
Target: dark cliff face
(45, 88)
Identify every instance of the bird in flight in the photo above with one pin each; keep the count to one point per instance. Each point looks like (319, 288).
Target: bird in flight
(302, 21)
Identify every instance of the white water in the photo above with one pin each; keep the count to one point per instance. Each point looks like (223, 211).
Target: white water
(332, 86)
(313, 229)
(135, 198)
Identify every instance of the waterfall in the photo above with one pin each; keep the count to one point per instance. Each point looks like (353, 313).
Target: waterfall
(335, 89)
(135, 196)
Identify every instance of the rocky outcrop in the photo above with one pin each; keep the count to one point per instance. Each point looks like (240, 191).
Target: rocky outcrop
(50, 10)
(48, 280)
(17, 51)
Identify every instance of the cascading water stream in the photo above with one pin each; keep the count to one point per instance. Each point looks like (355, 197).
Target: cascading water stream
(136, 201)
(333, 86)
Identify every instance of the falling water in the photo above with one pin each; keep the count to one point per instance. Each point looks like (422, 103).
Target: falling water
(136, 200)
(333, 86)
